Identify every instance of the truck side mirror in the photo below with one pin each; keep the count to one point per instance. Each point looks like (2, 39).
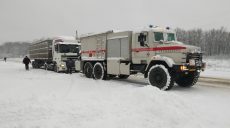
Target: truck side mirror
(142, 39)
(161, 41)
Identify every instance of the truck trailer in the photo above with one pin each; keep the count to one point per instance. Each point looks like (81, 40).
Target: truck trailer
(153, 52)
(51, 53)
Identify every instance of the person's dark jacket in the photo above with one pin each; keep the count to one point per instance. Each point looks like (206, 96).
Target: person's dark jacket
(70, 63)
(26, 60)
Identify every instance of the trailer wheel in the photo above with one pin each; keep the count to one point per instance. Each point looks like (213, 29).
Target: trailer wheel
(88, 70)
(159, 76)
(188, 80)
(98, 71)
(123, 76)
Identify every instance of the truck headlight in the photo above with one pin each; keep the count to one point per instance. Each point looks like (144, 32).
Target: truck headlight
(62, 65)
(183, 68)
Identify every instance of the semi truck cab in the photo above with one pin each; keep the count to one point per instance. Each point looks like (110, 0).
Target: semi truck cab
(51, 53)
(63, 50)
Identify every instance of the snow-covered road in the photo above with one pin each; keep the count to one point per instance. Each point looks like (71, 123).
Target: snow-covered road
(45, 99)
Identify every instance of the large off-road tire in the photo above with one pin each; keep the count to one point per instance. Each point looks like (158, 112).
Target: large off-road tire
(172, 75)
(88, 70)
(123, 76)
(188, 80)
(159, 76)
(98, 71)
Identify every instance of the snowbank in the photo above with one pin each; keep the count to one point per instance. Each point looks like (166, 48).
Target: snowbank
(45, 99)
(217, 68)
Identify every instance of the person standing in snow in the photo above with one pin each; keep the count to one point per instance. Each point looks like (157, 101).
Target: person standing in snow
(69, 65)
(5, 59)
(26, 61)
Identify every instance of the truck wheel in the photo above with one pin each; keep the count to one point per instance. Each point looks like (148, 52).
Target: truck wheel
(98, 71)
(159, 76)
(33, 64)
(45, 66)
(123, 76)
(188, 80)
(88, 70)
(56, 69)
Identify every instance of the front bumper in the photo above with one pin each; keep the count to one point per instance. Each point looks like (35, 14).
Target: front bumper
(189, 68)
(193, 62)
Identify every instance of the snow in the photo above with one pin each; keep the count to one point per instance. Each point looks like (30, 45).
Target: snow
(217, 68)
(45, 99)
(66, 37)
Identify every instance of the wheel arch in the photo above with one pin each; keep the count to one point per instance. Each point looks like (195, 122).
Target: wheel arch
(165, 62)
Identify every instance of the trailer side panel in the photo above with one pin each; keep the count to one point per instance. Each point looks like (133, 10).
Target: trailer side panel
(41, 50)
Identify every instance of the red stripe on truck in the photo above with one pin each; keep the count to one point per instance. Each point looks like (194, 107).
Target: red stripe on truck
(158, 48)
(142, 49)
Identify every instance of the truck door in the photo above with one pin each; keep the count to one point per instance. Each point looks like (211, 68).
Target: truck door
(100, 47)
(158, 41)
(118, 56)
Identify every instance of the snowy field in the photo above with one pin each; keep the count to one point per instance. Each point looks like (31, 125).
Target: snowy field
(217, 68)
(45, 99)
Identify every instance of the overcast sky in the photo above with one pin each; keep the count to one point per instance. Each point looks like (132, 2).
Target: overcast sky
(26, 20)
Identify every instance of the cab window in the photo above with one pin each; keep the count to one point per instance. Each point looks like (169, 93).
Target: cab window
(170, 37)
(158, 36)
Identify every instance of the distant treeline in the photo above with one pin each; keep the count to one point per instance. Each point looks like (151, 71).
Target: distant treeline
(14, 49)
(213, 42)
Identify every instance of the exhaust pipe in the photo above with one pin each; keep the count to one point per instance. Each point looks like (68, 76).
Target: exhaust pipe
(76, 36)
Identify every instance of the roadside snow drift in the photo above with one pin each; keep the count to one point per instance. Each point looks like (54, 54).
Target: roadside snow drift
(217, 68)
(45, 99)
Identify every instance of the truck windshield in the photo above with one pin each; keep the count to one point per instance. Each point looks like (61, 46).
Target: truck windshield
(158, 36)
(170, 36)
(68, 48)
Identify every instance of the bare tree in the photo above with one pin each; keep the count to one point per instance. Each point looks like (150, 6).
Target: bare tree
(212, 42)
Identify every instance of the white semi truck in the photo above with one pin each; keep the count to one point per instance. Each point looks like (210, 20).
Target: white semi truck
(51, 53)
(154, 52)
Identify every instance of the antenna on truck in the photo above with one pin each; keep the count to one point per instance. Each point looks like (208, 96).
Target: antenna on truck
(76, 36)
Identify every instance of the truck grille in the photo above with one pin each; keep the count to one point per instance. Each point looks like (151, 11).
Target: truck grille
(69, 57)
(195, 56)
